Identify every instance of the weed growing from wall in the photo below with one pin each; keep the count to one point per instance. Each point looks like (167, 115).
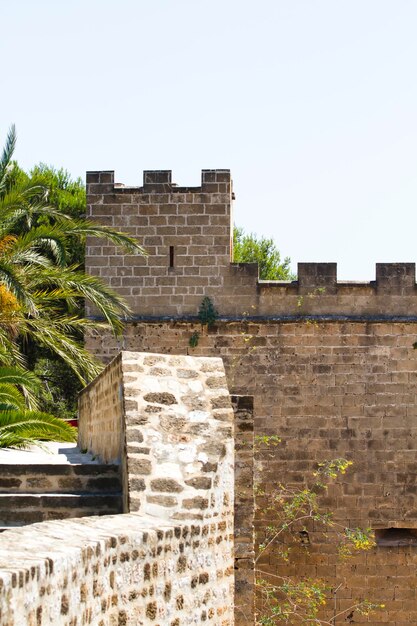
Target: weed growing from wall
(296, 514)
(207, 314)
(193, 341)
(301, 300)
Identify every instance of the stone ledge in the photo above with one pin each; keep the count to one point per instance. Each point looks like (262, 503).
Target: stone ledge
(105, 569)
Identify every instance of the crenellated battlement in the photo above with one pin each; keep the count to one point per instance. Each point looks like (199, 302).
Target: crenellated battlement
(160, 181)
(390, 278)
(187, 232)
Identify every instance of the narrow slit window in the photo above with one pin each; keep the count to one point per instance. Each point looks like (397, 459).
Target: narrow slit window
(171, 256)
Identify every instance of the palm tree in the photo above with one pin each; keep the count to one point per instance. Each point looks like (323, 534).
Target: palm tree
(41, 295)
(20, 427)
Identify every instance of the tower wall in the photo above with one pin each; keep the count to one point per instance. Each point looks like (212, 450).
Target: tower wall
(185, 231)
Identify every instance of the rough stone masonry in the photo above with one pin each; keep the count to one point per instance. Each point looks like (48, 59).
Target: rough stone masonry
(331, 365)
(170, 561)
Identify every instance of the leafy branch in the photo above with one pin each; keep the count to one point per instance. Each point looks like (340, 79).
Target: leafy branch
(294, 511)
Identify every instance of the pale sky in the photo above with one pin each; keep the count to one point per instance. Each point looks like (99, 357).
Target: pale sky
(312, 104)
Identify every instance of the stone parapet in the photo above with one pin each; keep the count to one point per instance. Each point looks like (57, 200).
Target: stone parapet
(124, 569)
(176, 422)
(101, 412)
(169, 420)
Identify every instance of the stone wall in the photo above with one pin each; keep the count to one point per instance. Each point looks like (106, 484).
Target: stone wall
(244, 511)
(116, 571)
(176, 446)
(101, 411)
(179, 437)
(169, 421)
(329, 389)
(170, 562)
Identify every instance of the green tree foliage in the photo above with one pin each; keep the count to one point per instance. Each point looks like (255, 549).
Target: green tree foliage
(261, 250)
(58, 394)
(62, 192)
(42, 283)
(60, 386)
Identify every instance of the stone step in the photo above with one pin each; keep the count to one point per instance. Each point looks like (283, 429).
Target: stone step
(57, 482)
(23, 508)
(48, 478)
(51, 453)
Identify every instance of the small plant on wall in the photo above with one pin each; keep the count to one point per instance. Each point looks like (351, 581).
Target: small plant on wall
(207, 314)
(193, 341)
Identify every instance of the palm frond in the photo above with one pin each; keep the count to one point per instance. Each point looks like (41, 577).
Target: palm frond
(13, 279)
(84, 228)
(9, 351)
(7, 154)
(21, 429)
(11, 397)
(70, 283)
(43, 239)
(55, 338)
(19, 376)
(29, 258)
(27, 381)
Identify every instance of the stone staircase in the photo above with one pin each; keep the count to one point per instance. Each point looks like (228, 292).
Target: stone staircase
(55, 483)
